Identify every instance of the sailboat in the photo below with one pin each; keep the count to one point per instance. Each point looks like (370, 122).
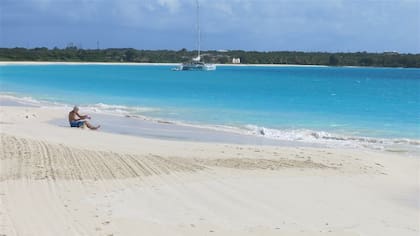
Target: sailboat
(196, 63)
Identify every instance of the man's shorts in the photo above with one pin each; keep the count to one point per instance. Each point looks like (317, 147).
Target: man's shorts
(77, 123)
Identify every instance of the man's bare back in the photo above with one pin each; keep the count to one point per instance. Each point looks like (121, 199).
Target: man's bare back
(72, 116)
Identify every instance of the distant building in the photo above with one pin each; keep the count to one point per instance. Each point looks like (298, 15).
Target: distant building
(236, 60)
(391, 53)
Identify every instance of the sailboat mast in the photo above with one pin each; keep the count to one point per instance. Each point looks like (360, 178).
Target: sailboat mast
(198, 31)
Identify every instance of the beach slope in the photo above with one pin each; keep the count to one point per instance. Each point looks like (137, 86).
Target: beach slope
(61, 181)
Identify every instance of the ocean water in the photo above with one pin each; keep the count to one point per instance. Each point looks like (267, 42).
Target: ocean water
(296, 103)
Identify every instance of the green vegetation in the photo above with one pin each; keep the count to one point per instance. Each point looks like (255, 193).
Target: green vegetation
(74, 54)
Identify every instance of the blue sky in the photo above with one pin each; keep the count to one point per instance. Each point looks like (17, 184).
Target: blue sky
(264, 25)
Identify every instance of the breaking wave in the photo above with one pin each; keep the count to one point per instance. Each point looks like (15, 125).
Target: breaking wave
(323, 137)
(120, 109)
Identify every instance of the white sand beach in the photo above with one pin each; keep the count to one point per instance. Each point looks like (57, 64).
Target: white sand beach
(58, 180)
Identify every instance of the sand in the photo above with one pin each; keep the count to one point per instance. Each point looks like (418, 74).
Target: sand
(57, 180)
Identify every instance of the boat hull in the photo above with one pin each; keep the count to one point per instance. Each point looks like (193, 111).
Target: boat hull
(196, 67)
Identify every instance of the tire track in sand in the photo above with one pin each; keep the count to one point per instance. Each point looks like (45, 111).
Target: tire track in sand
(31, 159)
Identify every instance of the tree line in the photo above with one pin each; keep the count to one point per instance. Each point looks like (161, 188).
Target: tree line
(74, 54)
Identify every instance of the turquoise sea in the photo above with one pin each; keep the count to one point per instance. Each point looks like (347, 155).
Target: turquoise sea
(277, 102)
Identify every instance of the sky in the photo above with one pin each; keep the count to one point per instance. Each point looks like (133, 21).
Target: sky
(261, 25)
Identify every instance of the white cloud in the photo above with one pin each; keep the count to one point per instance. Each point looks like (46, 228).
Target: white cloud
(172, 5)
(253, 20)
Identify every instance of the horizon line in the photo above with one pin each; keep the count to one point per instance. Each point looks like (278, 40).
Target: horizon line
(216, 50)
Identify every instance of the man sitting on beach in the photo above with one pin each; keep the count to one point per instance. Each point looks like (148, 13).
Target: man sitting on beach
(77, 120)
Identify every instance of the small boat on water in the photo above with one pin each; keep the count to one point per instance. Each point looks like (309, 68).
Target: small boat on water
(196, 64)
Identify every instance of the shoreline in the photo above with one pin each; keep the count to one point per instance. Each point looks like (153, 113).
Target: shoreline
(58, 180)
(142, 64)
(147, 127)
(120, 121)
(6, 63)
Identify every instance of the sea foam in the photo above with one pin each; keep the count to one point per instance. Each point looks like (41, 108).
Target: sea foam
(323, 137)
